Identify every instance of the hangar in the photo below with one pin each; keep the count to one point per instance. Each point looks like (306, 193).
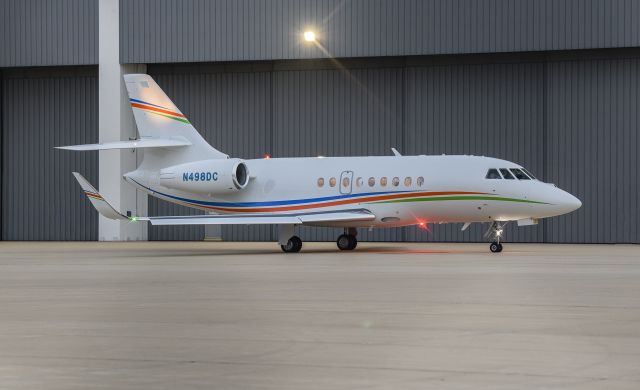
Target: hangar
(553, 85)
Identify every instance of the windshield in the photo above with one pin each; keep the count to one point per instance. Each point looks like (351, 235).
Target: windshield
(519, 174)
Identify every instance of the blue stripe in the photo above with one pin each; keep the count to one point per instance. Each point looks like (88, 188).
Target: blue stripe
(149, 104)
(270, 203)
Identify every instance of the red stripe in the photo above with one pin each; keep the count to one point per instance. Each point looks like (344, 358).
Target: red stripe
(92, 195)
(138, 105)
(342, 202)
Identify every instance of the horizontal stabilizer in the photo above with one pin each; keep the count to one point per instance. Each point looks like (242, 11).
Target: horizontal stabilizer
(133, 144)
(104, 208)
(263, 219)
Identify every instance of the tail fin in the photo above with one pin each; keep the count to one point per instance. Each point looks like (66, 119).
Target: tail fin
(156, 116)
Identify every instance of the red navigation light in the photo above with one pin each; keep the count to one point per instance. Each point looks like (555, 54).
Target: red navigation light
(424, 226)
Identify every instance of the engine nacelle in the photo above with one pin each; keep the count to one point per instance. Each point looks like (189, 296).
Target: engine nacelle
(207, 176)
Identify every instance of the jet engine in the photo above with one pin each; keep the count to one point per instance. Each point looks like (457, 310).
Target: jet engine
(207, 176)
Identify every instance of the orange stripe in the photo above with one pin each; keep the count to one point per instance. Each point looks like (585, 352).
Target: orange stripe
(342, 202)
(138, 105)
(92, 195)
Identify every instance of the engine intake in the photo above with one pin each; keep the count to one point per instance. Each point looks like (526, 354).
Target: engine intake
(207, 176)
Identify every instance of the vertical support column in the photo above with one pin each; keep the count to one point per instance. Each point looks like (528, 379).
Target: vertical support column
(116, 123)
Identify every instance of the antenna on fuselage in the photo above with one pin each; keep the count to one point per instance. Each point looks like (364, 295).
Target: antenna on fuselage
(395, 152)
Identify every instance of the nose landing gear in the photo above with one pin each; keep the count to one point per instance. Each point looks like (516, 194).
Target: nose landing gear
(494, 233)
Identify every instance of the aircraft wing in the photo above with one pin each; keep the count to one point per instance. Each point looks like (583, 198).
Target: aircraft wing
(100, 203)
(264, 219)
(107, 210)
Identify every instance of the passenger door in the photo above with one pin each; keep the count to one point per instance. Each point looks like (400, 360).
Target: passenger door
(346, 182)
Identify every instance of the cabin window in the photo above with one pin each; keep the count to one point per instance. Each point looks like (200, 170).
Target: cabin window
(359, 182)
(519, 174)
(383, 181)
(395, 181)
(407, 181)
(332, 182)
(420, 181)
(372, 181)
(345, 182)
(529, 174)
(493, 174)
(506, 174)
(320, 181)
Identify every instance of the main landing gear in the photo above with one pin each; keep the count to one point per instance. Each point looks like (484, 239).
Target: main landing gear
(289, 242)
(347, 241)
(293, 245)
(494, 233)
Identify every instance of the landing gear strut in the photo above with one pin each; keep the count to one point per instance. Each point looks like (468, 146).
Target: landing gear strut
(494, 233)
(347, 241)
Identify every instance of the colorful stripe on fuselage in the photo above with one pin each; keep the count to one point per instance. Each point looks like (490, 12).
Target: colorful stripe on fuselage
(337, 200)
(158, 110)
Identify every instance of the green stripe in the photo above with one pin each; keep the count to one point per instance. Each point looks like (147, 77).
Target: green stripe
(170, 117)
(443, 198)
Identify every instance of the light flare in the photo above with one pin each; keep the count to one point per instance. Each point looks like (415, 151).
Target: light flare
(423, 225)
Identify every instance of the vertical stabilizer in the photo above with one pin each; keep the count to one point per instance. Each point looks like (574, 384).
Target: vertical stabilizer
(157, 116)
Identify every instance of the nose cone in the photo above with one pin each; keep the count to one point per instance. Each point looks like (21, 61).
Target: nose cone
(567, 203)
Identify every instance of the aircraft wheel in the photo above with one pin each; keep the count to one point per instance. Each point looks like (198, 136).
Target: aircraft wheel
(293, 245)
(347, 242)
(499, 247)
(495, 247)
(354, 242)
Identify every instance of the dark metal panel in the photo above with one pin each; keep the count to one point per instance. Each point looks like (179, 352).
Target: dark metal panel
(37, 33)
(486, 109)
(592, 148)
(40, 198)
(1, 147)
(231, 30)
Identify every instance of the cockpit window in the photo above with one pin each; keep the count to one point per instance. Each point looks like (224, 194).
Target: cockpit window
(506, 174)
(529, 174)
(493, 174)
(519, 174)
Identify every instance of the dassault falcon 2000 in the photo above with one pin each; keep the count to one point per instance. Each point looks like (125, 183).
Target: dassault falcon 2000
(179, 166)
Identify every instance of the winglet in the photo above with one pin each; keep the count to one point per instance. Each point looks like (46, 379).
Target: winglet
(100, 204)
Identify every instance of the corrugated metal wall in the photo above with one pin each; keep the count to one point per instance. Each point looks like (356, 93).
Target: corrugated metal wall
(592, 148)
(240, 30)
(50, 32)
(572, 121)
(40, 110)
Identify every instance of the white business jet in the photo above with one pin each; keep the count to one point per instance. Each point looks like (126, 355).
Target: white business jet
(179, 166)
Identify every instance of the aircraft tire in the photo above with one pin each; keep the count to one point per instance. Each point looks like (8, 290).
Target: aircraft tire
(293, 245)
(495, 247)
(347, 242)
(354, 242)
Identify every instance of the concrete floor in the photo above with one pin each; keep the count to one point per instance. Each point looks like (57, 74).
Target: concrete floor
(388, 316)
